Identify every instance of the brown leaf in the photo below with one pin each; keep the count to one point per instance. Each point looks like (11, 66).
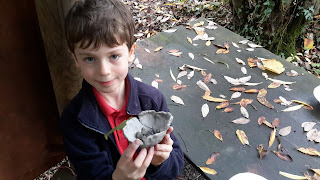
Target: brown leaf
(213, 99)
(252, 62)
(309, 151)
(174, 51)
(212, 158)
(316, 171)
(307, 106)
(178, 86)
(278, 101)
(274, 85)
(203, 73)
(283, 156)
(276, 122)
(261, 120)
(220, 46)
(245, 102)
(262, 152)
(222, 105)
(158, 80)
(222, 51)
(252, 91)
(207, 78)
(242, 137)
(218, 135)
(240, 89)
(226, 45)
(272, 137)
(263, 100)
(228, 109)
(279, 145)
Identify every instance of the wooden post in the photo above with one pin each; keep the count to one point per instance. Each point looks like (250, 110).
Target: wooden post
(65, 76)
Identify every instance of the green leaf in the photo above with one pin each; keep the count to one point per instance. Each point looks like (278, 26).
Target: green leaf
(119, 127)
(317, 71)
(315, 64)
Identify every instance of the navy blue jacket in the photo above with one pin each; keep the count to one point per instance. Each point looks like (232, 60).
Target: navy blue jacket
(84, 125)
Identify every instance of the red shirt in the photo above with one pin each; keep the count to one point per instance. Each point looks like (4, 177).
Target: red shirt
(116, 117)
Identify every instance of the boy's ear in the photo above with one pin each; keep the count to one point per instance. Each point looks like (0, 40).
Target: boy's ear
(131, 53)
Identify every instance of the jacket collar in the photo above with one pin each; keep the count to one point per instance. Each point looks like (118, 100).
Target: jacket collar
(90, 114)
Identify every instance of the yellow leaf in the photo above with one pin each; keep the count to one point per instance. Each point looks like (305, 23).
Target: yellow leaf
(242, 137)
(273, 66)
(208, 170)
(307, 106)
(213, 99)
(309, 151)
(158, 49)
(291, 176)
(308, 43)
(272, 137)
(218, 135)
(208, 43)
(201, 23)
(316, 171)
(189, 40)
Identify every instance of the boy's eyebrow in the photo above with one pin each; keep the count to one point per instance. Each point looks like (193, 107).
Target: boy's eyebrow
(115, 50)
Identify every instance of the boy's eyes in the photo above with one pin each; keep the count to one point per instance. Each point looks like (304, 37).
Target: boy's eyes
(89, 59)
(114, 57)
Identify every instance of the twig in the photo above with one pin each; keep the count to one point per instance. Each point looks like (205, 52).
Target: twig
(183, 142)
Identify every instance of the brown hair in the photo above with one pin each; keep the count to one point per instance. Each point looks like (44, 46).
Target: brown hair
(99, 22)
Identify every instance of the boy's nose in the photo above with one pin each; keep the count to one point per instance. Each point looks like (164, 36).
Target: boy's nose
(104, 68)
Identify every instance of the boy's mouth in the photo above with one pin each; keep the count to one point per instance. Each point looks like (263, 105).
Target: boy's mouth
(106, 83)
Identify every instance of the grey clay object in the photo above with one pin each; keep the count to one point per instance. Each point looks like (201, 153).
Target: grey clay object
(150, 127)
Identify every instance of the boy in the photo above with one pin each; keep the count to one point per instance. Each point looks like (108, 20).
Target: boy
(100, 38)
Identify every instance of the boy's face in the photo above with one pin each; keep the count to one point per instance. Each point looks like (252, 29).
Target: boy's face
(104, 68)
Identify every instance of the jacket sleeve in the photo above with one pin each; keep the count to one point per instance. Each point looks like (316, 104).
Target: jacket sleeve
(82, 150)
(173, 166)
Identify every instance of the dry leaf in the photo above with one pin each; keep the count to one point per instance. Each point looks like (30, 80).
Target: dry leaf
(262, 152)
(222, 51)
(159, 80)
(181, 74)
(208, 170)
(292, 108)
(244, 70)
(212, 158)
(250, 49)
(203, 73)
(292, 73)
(201, 23)
(222, 105)
(158, 49)
(205, 110)
(272, 137)
(285, 131)
(263, 100)
(312, 135)
(203, 86)
(283, 156)
(191, 55)
(154, 84)
(284, 101)
(237, 81)
(178, 86)
(261, 120)
(309, 151)
(228, 109)
(291, 176)
(274, 85)
(308, 43)
(208, 43)
(252, 91)
(241, 120)
(218, 135)
(307, 126)
(189, 40)
(190, 75)
(276, 122)
(307, 106)
(252, 45)
(235, 45)
(244, 41)
(240, 89)
(173, 51)
(242, 137)
(240, 61)
(273, 66)
(178, 100)
(207, 78)
(147, 50)
(244, 112)
(235, 95)
(252, 62)
(245, 102)
(213, 99)
(278, 101)
(172, 76)
(316, 171)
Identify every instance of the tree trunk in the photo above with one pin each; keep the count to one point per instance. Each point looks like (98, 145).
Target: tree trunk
(65, 76)
(275, 24)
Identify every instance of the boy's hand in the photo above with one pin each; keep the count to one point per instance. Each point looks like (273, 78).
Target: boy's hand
(163, 149)
(127, 168)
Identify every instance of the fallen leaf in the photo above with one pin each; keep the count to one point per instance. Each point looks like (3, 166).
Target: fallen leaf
(235, 95)
(177, 100)
(212, 158)
(307, 106)
(242, 137)
(213, 99)
(235, 45)
(262, 152)
(182, 73)
(244, 112)
(203, 86)
(189, 40)
(240, 89)
(228, 109)
(245, 102)
(273, 66)
(158, 49)
(218, 135)
(309, 151)
(280, 81)
(307, 126)
(244, 41)
(208, 170)
(252, 45)
(274, 85)
(147, 50)
(291, 176)
(312, 135)
(244, 70)
(240, 61)
(250, 49)
(263, 100)
(154, 84)
(222, 105)
(208, 60)
(252, 62)
(272, 137)
(190, 75)
(241, 120)
(292, 108)
(173, 51)
(308, 43)
(191, 56)
(284, 101)
(283, 156)
(292, 73)
(201, 23)
(205, 110)
(237, 81)
(316, 171)
(276, 122)
(252, 91)
(159, 80)
(261, 120)
(207, 78)
(222, 51)
(172, 76)
(208, 43)
(178, 86)
(278, 101)
(285, 131)
(170, 30)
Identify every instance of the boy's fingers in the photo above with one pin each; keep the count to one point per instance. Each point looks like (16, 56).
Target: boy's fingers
(140, 158)
(163, 148)
(167, 140)
(149, 157)
(131, 149)
(170, 130)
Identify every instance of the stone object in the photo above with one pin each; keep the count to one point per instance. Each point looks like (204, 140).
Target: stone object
(150, 127)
